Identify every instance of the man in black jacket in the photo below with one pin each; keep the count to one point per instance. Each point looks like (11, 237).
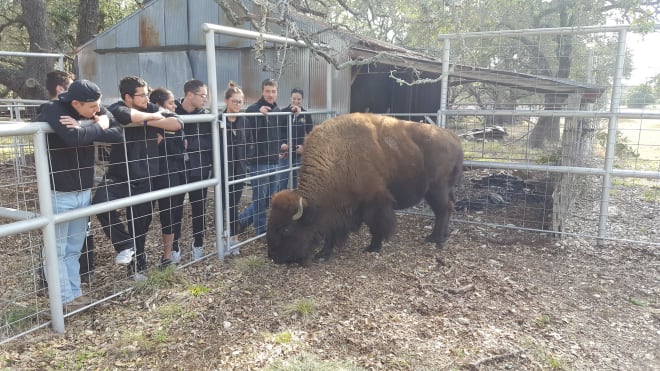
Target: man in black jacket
(266, 144)
(301, 125)
(78, 120)
(200, 157)
(133, 165)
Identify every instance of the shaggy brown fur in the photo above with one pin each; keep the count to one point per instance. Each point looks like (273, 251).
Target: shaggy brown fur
(358, 168)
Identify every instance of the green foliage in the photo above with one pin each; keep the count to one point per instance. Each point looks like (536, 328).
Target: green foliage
(198, 290)
(623, 149)
(282, 338)
(640, 96)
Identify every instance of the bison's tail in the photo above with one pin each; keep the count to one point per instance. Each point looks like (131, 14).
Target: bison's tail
(455, 179)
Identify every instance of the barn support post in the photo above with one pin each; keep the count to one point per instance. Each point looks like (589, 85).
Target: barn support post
(50, 248)
(328, 87)
(611, 137)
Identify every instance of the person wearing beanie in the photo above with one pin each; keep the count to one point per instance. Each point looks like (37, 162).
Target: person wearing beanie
(78, 120)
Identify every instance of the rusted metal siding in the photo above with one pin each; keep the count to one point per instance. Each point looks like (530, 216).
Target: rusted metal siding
(152, 27)
(175, 26)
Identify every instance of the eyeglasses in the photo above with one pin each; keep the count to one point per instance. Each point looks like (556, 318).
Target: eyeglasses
(236, 101)
(140, 95)
(205, 96)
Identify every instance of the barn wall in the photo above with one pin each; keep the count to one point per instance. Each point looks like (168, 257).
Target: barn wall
(164, 44)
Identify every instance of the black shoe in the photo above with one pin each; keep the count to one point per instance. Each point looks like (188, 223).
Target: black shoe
(87, 277)
(164, 263)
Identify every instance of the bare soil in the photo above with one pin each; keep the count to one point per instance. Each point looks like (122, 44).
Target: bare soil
(492, 299)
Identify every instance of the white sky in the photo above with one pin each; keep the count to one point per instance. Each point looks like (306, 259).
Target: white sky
(646, 57)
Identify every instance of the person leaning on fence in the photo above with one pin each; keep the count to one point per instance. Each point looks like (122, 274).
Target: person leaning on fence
(133, 165)
(265, 144)
(57, 82)
(200, 157)
(236, 153)
(78, 120)
(172, 173)
(301, 125)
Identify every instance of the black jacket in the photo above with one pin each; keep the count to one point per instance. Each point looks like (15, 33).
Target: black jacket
(71, 150)
(237, 147)
(172, 152)
(300, 126)
(198, 135)
(140, 145)
(264, 134)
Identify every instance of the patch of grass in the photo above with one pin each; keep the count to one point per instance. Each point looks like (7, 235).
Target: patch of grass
(160, 336)
(19, 318)
(638, 302)
(250, 263)
(542, 320)
(551, 158)
(650, 195)
(282, 338)
(171, 312)
(198, 290)
(303, 308)
(554, 363)
(158, 279)
(459, 353)
(306, 361)
(85, 355)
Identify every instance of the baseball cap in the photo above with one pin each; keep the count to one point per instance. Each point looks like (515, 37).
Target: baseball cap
(82, 91)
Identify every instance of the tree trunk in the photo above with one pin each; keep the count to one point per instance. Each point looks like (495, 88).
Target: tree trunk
(546, 131)
(28, 81)
(88, 20)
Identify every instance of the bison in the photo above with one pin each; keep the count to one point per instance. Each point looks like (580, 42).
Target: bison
(358, 168)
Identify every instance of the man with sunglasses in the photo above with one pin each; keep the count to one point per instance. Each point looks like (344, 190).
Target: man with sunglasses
(200, 158)
(133, 165)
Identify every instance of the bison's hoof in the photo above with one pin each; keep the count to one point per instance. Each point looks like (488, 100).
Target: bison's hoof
(373, 249)
(439, 241)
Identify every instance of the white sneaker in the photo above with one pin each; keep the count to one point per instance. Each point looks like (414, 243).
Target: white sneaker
(233, 249)
(176, 257)
(125, 256)
(139, 277)
(197, 252)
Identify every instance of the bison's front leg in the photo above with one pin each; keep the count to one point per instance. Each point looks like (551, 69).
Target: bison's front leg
(380, 219)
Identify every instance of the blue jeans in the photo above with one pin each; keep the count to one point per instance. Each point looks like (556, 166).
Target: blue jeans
(283, 182)
(263, 189)
(70, 238)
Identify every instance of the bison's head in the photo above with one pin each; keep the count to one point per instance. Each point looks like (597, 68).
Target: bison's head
(289, 239)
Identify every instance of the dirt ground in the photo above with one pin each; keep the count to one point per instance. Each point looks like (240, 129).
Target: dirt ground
(492, 299)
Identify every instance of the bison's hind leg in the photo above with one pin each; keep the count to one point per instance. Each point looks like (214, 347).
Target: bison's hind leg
(439, 199)
(380, 219)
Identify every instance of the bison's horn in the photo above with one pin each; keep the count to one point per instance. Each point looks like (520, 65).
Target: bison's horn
(298, 214)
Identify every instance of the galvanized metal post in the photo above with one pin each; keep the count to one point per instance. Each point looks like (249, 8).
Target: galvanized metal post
(50, 248)
(444, 84)
(215, 135)
(610, 149)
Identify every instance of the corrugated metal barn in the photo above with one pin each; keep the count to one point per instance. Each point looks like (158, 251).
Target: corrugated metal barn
(164, 44)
